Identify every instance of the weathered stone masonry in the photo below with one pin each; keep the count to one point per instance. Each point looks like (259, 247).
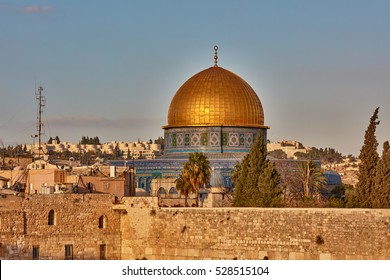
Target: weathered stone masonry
(136, 228)
(255, 233)
(76, 223)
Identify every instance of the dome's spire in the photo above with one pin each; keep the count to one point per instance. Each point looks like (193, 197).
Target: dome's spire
(215, 56)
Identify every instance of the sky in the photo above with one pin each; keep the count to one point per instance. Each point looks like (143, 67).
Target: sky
(110, 68)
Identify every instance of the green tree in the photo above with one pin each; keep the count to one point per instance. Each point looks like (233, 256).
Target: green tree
(185, 187)
(312, 179)
(160, 140)
(336, 197)
(91, 141)
(350, 197)
(197, 171)
(367, 168)
(327, 155)
(381, 192)
(128, 156)
(257, 183)
(279, 154)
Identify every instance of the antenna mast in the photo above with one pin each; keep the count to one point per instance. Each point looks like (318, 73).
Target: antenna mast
(41, 103)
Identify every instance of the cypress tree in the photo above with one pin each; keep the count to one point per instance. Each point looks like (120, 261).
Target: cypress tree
(381, 194)
(367, 168)
(257, 183)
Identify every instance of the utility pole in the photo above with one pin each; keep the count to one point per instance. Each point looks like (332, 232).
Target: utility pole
(41, 103)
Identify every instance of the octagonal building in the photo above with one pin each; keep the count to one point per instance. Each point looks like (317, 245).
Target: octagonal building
(215, 112)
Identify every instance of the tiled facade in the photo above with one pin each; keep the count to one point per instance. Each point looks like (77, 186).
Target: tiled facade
(210, 139)
(179, 142)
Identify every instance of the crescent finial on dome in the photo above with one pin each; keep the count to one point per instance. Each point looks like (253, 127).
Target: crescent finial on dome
(215, 56)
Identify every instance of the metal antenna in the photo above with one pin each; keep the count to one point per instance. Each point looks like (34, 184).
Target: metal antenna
(215, 56)
(41, 103)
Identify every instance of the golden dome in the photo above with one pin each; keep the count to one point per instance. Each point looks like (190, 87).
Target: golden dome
(215, 97)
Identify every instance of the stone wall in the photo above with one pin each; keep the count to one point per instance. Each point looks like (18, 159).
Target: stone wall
(255, 233)
(136, 228)
(76, 223)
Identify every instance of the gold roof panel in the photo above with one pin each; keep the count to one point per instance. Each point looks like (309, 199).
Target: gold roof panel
(215, 97)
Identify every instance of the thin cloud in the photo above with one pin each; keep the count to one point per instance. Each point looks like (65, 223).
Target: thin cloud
(36, 9)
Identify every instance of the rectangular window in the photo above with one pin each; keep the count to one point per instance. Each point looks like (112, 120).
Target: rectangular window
(103, 251)
(68, 252)
(59, 177)
(35, 252)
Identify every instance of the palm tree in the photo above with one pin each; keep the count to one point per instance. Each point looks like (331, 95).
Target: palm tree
(197, 171)
(184, 186)
(311, 178)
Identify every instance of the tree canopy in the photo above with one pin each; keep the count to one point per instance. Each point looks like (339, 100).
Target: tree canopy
(367, 168)
(327, 155)
(312, 179)
(257, 183)
(92, 141)
(197, 171)
(184, 186)
(381, 196)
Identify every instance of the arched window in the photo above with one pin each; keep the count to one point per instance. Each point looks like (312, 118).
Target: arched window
(172, 190)
(51, 218)
(102, 221)
(161, 192)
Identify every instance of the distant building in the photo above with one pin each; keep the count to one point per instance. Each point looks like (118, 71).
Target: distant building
(137, 150)
(290, 147)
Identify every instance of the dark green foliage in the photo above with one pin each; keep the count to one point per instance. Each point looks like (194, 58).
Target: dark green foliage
(91, 141)
(367, 168)
(197, 171)
(257, 183)
(327, 155)
(160, 140)
(57, 139)
(118, 152)
(312, 179)
(350, 200)
(184, 187)
(337, 197)
(279, 154)
(381, 196)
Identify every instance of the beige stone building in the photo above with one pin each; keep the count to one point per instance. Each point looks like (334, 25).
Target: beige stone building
(135, 149)
(290, 147)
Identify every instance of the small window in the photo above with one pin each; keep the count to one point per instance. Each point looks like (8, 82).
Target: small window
(106, 185)
(172, 190)
(90, 187)
(35, 252)
(102, 221)
(68, 252)
(161, 192)
(51, 218)
(103, 251)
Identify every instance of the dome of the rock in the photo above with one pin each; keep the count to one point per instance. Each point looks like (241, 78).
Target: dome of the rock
(215, 97)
